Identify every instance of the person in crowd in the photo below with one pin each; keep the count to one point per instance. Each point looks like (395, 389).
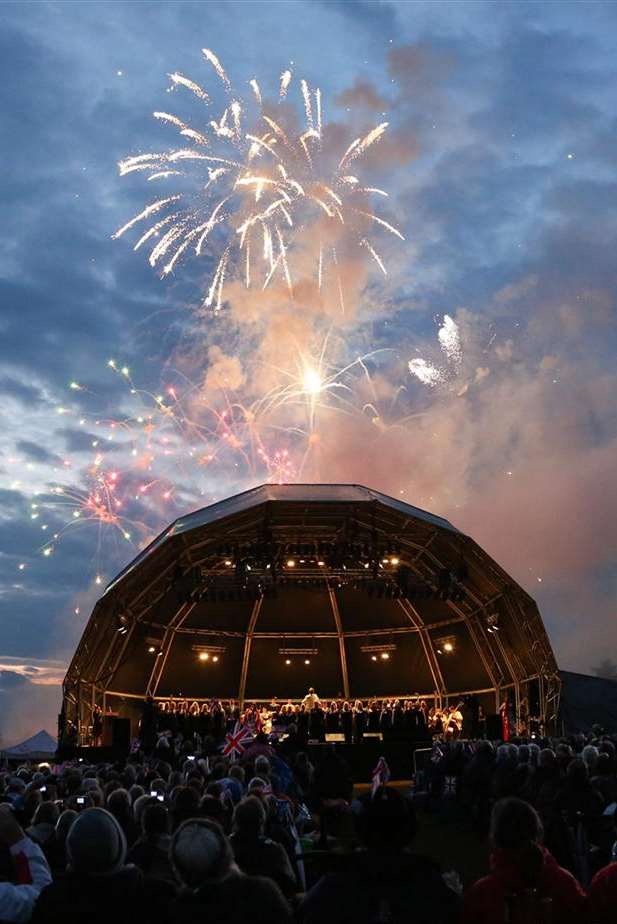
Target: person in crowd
(384, 881)
(43, 828)
(119, 804)
(57, 860)
(28, 867)
(311, 700)
(151, 850)
(525, 882)
(256, 854)
(213, 889)
(603, 890)
(99, 887)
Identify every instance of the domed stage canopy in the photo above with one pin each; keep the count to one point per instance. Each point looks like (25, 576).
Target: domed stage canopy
(337, 587)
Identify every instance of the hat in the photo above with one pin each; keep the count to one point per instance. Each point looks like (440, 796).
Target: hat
(96, 845)
(200, 852)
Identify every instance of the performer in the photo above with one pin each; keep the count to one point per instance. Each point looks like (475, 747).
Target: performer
(97, 726)
(504, 712)
(311, 700)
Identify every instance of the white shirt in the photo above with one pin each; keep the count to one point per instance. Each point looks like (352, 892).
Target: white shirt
(310, 701)
(17, 901)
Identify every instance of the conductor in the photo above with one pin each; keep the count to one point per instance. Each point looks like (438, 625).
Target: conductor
(311, 700)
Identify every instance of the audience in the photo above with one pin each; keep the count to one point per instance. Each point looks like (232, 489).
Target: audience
(271, 835)
(525, 882)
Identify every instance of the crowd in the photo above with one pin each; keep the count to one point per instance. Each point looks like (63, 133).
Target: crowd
(273, 837)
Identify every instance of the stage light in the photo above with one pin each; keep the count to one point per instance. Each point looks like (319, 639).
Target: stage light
(291, 563)
(385, 656)
(151, 649)
(373, 657)
(215, 657)
(448, 646)
(306, 661)
(287, 661)
(204, 656)
(228, 562)
(394, 561)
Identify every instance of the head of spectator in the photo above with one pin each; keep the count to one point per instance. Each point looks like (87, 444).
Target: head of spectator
(547, 759)
(154, 822)
(249, 819)
(63, 826)
(387, 822)
(119, 804)
(590, 756)
(262, 767)
(577, 775)
(200, 853)
(140, 805)
(184, 805)
(211, 807)
(44, 822)
(523, 754)
(258, 786)
(95, 844)
(516, 832)
(135, 792)
(236, 772)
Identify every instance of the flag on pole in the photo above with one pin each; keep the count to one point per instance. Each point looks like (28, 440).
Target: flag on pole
(236, 741)
(381, 775)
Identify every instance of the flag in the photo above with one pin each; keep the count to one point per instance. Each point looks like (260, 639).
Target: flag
(381, 775)
(236, 740)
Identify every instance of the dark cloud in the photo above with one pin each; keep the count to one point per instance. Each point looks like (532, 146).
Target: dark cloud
(14, 388)
(37, 453)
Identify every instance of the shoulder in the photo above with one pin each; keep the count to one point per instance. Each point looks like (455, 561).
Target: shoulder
(605, 877)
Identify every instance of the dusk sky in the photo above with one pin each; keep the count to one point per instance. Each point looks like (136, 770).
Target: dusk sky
(499, 161)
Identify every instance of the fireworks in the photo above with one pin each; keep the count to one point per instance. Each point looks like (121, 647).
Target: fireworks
(249, 186)
(428, 373)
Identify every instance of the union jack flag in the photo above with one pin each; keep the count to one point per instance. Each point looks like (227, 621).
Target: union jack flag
(381, 775)
(236, 741)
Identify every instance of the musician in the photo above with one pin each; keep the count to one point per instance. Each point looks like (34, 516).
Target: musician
(332, 718)
(311, 700)
(359, 718)
(504, 712)
(347, 718)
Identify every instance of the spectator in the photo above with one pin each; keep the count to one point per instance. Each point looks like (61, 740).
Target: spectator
(99, 888)
(524, 877)
(256, 854)
(30, 869)
(58, 858)
(214, 888)
(43, 827)
(384, 882)
(151, 851)
(603, 895)
(119, 804)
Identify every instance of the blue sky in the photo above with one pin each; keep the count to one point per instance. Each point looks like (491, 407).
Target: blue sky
(500, 166)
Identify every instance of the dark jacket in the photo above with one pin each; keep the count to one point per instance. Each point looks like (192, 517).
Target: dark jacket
(237, 899)
(261, 856)
(125, 897)
(398, 888)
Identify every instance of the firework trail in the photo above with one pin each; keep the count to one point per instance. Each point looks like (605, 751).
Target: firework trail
(250, 185)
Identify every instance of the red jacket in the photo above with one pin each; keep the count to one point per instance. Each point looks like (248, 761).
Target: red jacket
(603, 896)
(485, 902)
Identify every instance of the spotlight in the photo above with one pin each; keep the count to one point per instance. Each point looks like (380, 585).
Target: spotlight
(287, 661)
(204, 656)
(373, 657)
(321, 563)
(394, 561)
(228, 562)
(291, 563)
(448, 646)
(385, 656)
(215, 657)
(151, 649)
(306, 661)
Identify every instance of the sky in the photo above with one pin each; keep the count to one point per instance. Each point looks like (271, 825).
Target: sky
(499, 161)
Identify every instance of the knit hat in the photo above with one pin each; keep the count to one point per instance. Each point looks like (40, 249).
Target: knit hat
(96, 845)
(200, 852)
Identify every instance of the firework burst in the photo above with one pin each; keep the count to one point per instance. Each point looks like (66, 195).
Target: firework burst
(247, 185)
